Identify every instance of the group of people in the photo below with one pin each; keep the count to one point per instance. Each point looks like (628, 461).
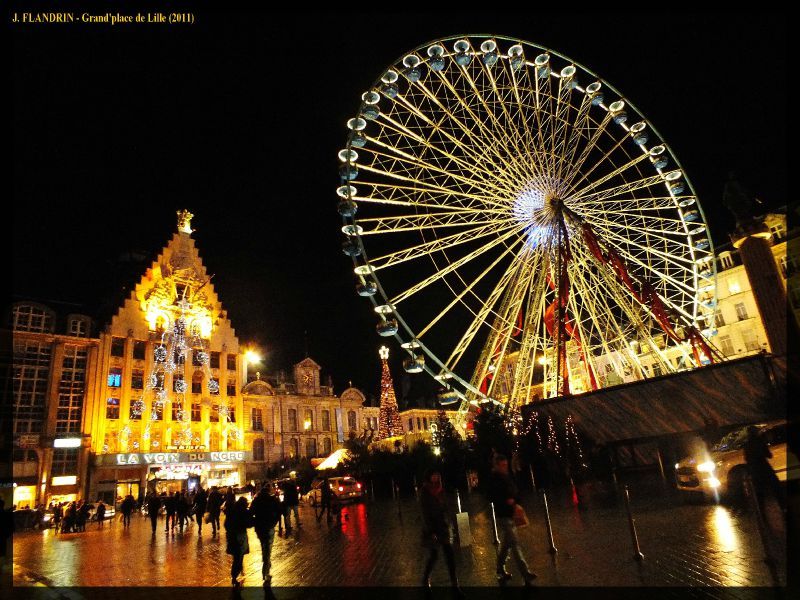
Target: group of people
(437, 531)
(71, 517)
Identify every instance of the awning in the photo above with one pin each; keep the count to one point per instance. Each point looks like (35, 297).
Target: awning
(334, 459)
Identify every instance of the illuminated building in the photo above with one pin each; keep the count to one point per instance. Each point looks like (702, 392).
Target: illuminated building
(301, 418)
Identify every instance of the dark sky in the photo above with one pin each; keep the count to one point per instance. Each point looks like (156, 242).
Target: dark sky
(240, 116)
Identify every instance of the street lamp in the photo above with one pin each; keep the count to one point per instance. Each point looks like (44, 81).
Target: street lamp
(250, 357)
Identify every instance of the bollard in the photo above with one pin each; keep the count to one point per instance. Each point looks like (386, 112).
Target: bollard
(553, 548)
(458, 500)
(637, 553)
(494, 525)
(762, 526)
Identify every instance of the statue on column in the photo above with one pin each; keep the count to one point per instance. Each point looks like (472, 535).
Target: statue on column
(737, 200)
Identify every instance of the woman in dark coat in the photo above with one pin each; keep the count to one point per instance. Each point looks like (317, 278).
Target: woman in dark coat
(437, 527)
(237, 520)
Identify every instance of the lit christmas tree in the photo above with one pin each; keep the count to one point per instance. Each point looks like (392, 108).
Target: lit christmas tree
(389, 420)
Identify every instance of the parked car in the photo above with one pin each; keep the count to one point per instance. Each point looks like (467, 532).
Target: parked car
(345, 489)
(720, 472)
(110, 511)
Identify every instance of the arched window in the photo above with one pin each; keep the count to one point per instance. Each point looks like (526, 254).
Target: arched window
(308, 422)
(197, 382)
(351, 420)
(294, 448)
(258, 450)
(326, 420)
(410, 424)
(425, 422)
(292, 419)
(326, 446)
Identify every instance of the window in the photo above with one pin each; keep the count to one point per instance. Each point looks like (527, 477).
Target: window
(27, 317)
(31, 373)
(195, 412)
(214, 414)
(231, 362)
(308, 422)
(778, 231)
(214, 360)
(292, 418)
(351, 420)
(65, 461)
(196, 355)
(157, 414)
(139, 349)
(741, 311)
(326, 420)
(213, 441)
(311, 447)
(419, 424)
(258, 424)
(326, 446)
(117, 346)
(657, 370)
(231, 387)
(213, 386)
(77, 327)
(258, 450)
(750, 340)
(719, 320)
(178, 384)
(71, 390)
(725, 260)
(133, 413)
(115, 377)
(726, 345)
(179, 358)
(177, 409)
(410, 424)
(294, 448)
(197, 382)
(137, 379)
(790, 264)
(232, 414)
(425, 422)
(733, 286)
(112, 408)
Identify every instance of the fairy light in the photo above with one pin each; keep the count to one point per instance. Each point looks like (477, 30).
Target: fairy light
(552, 439)
(571, 436)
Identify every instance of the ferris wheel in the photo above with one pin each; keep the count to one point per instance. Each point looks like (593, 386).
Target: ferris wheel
(519, 226)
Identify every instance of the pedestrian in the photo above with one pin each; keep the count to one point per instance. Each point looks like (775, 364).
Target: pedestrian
(266, 511)
(291, 501)
(100, 512)
(199, 508)
(83, 516)
(153, 503)
(503, 493)
(214, 507)
(325, 500)
(437, 527)
(230, 500)
(171, 505)
(765, 481)
(182, 510)
(237, 520)
(58, 515)
(126, 508)
(70, 518)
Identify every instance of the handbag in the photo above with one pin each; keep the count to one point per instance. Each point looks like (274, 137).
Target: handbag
(520, 518)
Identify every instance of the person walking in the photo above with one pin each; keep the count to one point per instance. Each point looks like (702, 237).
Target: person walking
(83, 516)
(126, 508)
(503, 493)
(765, 481)
(153, 503)
(182, 511)
(291, 501)
(171, 505)
(100, 513)
(437, 527)
(266, 511)
(237, 520)
(214, 508)
(200, 503)
(325, 499)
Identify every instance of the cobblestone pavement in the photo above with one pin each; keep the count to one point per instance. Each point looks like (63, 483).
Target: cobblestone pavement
(377, 544)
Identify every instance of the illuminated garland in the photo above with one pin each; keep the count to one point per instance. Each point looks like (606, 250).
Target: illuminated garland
(389, 417)
(573, 441)
(552, 439)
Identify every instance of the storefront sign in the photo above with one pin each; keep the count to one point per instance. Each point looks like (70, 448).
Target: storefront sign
(170, 458)
(27, 440)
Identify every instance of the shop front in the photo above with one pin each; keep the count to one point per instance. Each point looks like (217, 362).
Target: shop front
(117, 475)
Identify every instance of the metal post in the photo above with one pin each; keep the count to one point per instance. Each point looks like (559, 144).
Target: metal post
(494, 525)
(661, 465)
(372, 488)
(533, 479)
(637, 553)
(762, 526)
(553, 548)
(458, 500)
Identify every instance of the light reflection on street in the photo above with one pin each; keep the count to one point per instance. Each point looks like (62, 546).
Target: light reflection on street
(722, 529)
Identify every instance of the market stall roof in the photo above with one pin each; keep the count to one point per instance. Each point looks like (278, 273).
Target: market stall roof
(334, 459)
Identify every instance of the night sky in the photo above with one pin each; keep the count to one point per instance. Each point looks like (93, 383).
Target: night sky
(239, 118)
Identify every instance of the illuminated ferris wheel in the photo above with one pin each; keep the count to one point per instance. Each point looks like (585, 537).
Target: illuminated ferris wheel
(520, 228)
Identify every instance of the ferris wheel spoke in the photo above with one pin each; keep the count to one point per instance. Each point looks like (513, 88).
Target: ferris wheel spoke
(633, 162)
(384, 193)
(434, 246)
(401, 223)
(651, 228)
(617, 191)
(453, 267)
(488, 142)
(467, 290)
(576, 133)
(488, 178)
(561, 125)
(591, 145)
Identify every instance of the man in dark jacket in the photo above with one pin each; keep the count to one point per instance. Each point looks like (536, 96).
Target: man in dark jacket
(153, 503)
(126, 508)
(200, 503)
(504, 495)
(266, 511)
(214, 508)
(291, 500)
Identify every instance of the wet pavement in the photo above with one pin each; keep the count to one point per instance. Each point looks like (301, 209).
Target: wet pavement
(378, 544)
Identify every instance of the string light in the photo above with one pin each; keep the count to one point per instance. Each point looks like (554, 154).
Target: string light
(573, 441)
(552, 439)
(389, 417)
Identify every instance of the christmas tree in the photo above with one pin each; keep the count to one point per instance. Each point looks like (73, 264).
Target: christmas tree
(389, 419)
